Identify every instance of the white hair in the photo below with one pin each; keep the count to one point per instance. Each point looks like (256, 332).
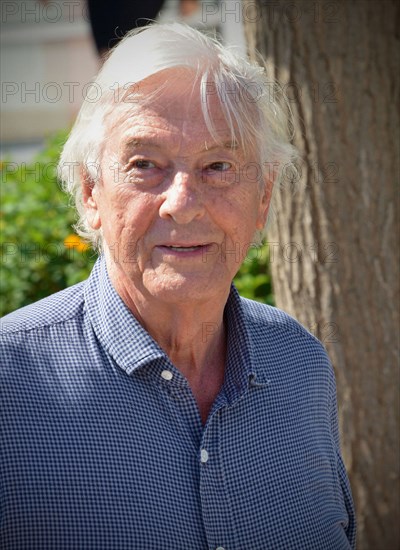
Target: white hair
(255, 111)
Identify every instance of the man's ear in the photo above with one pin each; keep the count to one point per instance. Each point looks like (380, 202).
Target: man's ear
(265, 202)
(90, 196)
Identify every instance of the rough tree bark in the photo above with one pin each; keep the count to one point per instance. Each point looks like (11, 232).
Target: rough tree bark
(336, 270)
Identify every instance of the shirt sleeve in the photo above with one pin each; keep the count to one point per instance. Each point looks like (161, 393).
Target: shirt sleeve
(344, 489)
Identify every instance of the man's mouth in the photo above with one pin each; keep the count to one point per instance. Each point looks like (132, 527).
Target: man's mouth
(190, 250)
(185, 248)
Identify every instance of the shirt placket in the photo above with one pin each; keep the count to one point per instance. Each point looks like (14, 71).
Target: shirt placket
(215, 501)
(182, 405)
(205, 443)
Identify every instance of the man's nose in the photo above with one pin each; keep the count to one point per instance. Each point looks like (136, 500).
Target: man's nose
(182, 200)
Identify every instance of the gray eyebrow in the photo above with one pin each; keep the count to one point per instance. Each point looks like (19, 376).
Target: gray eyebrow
(138, 142)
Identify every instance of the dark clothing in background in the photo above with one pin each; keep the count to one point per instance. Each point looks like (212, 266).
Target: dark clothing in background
(110, 21)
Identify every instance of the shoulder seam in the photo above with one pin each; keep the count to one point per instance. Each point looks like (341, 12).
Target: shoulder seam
(273, 325)
(25, 330)
(303, 333)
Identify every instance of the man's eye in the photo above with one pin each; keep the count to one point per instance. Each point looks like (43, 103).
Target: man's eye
(142, 164)
(220, 166)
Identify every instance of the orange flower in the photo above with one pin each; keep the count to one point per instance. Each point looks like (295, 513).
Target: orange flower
(74, 241)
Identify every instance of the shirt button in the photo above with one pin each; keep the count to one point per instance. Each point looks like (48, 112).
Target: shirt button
(220, 548)
(204, 458)
(167, 375)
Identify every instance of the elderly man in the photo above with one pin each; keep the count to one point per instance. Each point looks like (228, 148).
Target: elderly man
(151, 407)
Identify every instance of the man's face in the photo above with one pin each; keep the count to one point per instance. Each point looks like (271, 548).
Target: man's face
(178, 211)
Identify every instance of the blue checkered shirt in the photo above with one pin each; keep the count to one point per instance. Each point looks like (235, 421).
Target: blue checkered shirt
(102, 446)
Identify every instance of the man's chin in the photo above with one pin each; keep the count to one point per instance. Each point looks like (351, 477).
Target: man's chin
(184, 287)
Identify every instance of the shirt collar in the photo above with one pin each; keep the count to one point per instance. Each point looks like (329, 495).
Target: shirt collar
(118, 331)
(131, 346)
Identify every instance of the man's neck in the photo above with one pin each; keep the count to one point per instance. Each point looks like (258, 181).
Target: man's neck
(192, 334)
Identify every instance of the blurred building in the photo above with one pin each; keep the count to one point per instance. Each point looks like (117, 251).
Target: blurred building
(48, 61)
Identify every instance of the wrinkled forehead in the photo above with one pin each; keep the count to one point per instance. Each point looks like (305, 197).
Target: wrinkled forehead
(177, 99)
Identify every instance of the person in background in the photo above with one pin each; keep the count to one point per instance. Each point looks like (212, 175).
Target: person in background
(110, 22)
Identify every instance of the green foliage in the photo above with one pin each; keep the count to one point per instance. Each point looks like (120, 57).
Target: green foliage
(253, 279)
(39, 251)
(35, 220)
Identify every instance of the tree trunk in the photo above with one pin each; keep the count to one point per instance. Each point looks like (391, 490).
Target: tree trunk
(335, 267)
